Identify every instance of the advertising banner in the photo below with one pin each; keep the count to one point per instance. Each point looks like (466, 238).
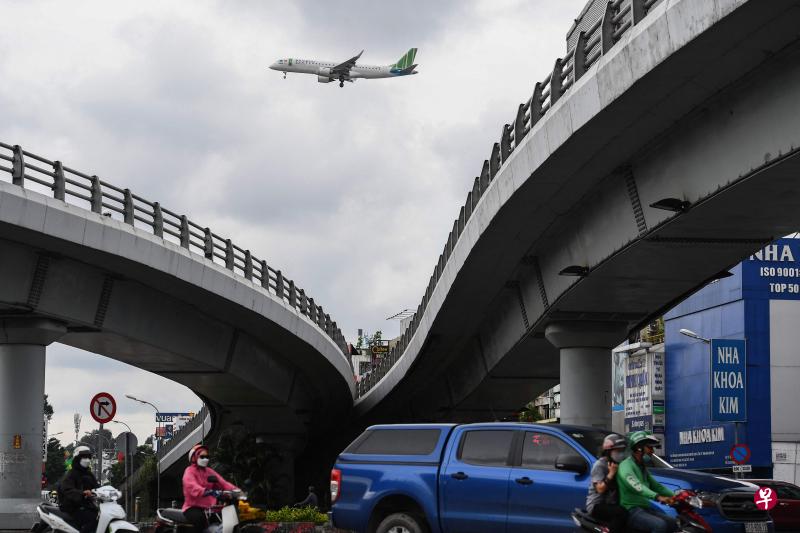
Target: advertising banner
(773, 271)
(645, 393)
(728, 380)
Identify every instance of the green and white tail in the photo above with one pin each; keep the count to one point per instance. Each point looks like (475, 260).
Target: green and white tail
(407, 60)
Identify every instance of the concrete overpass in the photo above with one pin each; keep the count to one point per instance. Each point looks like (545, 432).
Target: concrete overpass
(659, 152)
(97, 267)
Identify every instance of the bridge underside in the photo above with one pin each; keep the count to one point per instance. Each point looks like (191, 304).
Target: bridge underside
(268, 378)
(712, 126)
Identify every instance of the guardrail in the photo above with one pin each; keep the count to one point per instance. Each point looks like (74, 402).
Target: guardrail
(619, 16)
(98, 196)
(185, 430)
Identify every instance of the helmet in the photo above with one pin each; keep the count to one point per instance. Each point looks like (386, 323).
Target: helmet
(614, 442)
(195, 449)
(642, 437)
(82, 451)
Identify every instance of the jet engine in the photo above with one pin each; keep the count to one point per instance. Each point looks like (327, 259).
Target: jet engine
(324, 75)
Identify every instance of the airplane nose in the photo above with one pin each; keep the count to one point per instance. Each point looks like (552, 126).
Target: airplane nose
(274, 66)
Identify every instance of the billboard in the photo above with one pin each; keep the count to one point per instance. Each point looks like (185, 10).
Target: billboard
(728, 380)
(644, 392)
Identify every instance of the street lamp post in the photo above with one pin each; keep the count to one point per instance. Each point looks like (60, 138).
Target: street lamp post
(158, 463)
(128, 465)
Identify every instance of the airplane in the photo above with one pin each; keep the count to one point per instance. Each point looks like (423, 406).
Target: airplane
(327, 71)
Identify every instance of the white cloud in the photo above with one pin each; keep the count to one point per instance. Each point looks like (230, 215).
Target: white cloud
(351, 192)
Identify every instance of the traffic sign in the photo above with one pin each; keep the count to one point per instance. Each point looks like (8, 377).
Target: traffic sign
(742, 469)
(740, 453)
(103, 407)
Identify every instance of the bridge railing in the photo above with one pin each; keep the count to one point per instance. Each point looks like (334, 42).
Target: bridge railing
(185, 430)
(618, 17)
(31, 171)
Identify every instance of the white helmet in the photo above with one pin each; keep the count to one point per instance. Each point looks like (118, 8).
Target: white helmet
(82, 450)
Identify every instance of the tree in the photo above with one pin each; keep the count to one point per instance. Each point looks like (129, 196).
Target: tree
(55, 467)
(530, 413)
(258, 467)
(90, 439)
(48, 409)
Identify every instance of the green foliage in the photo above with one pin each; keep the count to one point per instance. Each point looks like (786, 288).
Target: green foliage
(117, 473)
(48, 409)
(257, 467)
(297, 514)
(55, 467)
(529, 414)
(90, 439)
(369, 340)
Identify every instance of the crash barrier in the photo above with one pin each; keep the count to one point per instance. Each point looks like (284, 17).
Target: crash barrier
(615, 20)
(31, 171)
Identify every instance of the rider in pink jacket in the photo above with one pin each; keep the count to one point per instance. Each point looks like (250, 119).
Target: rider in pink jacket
(200, 494)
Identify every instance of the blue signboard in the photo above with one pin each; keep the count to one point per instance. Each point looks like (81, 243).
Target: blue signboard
(774, 272)
(728, 380)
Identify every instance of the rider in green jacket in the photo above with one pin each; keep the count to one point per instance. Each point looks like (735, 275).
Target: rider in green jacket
(637, 487)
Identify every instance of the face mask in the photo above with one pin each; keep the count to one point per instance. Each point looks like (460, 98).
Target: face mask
(647, 459)
(85, 462)
(617, 456)
(202, 462)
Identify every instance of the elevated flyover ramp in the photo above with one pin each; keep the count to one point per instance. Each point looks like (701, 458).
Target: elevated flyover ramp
(659, 152)
(94, 266)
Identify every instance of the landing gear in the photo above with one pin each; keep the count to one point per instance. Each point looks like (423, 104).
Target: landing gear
(284, 75)
(341, 81)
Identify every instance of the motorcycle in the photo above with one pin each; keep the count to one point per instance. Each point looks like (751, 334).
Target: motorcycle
(685, 502)
(110, 517)
(222, 518)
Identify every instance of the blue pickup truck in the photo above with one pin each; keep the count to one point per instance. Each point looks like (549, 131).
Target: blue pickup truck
(495, 478)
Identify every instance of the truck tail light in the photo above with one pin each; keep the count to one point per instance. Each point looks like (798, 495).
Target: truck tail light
(336, 484)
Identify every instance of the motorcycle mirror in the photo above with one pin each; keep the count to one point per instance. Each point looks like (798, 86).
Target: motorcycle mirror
(213, 479)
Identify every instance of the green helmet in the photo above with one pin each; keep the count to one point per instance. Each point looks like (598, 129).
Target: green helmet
(641, 437)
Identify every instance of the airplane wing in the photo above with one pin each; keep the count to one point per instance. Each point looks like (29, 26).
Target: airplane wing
(343, 69)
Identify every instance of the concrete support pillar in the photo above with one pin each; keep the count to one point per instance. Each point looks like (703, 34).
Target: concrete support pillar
(585, 369)
(22, 358)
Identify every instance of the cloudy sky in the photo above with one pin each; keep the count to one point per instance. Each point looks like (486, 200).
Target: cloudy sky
(351, 192)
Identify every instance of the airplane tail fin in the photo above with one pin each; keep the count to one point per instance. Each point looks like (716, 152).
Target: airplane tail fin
(407, 60)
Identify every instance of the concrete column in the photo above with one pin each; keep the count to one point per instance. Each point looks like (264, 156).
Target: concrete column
(585, 369)
(22, 358)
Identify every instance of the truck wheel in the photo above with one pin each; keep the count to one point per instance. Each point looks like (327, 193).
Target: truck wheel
(399, 523)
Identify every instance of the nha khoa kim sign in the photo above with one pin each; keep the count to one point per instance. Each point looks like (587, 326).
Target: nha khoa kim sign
(728, 380)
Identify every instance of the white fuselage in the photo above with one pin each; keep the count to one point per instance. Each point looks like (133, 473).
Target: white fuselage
(322, 68)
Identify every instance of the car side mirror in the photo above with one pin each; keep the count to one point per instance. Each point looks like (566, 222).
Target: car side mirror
(571, 463)
(212, 479)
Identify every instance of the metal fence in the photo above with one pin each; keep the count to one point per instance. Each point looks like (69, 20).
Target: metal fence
(185, 430)
(619, 16)
(31, 171)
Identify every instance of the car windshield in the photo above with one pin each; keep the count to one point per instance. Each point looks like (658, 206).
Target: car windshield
(592, 440)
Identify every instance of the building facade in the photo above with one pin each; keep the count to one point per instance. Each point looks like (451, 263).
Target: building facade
(759, 305)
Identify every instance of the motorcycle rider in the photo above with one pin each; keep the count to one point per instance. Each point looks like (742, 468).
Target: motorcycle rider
(75, 491)
(200, 494)
(602, 502)
(637, 487)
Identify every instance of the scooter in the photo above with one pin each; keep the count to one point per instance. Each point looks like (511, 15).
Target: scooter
(110, 517)
(222, 518)
(684, 503)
